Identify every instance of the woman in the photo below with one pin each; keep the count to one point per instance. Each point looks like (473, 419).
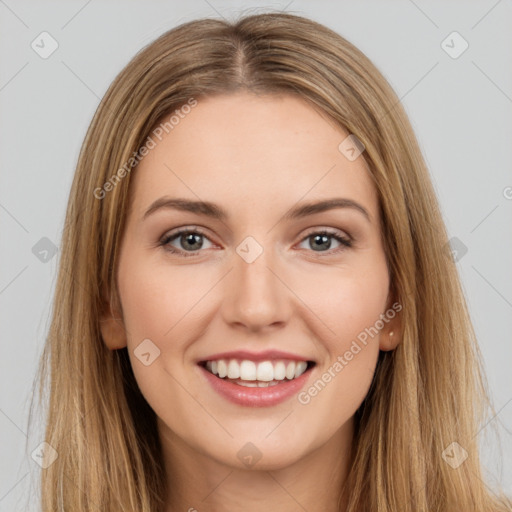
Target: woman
(249, 370)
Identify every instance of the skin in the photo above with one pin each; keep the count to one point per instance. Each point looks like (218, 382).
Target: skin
(256, 157)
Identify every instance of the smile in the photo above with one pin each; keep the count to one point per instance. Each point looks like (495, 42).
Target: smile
(256, 374)
(256, 383)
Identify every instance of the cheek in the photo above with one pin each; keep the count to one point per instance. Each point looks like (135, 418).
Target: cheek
(352, 308)
(348, 301)
(155, 300)
(357, 308)
(338, 390)
(166, 306)
(158, 305)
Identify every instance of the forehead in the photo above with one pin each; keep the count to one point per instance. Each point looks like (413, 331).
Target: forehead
(252, 152)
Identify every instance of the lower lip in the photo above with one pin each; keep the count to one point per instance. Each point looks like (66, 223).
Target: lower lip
(256, 397)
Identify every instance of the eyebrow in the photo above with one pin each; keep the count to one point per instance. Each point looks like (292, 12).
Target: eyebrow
(216, 212)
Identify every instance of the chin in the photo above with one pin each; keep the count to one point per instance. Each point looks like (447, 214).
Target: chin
(260, 453)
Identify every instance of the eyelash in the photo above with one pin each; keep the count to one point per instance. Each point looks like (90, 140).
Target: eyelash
(344, 241)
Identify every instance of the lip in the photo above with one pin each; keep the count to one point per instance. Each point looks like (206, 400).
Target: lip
(256, 397)
(267, 355)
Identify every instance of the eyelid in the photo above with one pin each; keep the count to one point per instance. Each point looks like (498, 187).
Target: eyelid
(328, 230)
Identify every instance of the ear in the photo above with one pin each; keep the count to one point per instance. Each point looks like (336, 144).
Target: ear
(391, 333)
(112, 329)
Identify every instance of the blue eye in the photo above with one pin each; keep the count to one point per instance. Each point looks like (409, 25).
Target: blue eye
(187, 237)
(323, 238)
(191, 241)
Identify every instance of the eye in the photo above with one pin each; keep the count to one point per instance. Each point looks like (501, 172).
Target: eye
(323, 239)
(191, 241)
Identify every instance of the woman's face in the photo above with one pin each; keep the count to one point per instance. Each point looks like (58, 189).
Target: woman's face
(257, 290)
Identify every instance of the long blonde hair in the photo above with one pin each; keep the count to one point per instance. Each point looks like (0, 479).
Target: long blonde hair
(426, 394)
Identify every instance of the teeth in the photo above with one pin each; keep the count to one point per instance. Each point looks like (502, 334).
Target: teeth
(247, 370)
(262, 374)
(265, 371)
(279, 371)
(233, 370)
(222, 368)
(248, 384)
(290, 370)
(300, 368)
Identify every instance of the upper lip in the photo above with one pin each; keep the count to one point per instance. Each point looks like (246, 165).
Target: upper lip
(266, 355)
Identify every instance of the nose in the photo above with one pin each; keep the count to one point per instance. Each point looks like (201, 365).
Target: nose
(255, 295)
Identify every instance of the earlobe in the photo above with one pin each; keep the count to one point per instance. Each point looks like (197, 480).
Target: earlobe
(112, 330)
(391, 333)
(389, 340)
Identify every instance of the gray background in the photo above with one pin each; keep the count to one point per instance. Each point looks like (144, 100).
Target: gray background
(460, 109)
